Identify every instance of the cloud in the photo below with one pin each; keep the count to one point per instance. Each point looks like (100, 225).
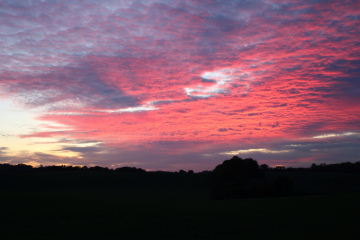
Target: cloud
(331, 135)
(81, 149)
(132, 109)
(69, 88)
(137, 73)
(3, 150)
(261, 150)
(222, 129)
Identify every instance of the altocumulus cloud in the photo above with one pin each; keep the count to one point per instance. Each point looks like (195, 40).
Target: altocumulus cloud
(250, 75)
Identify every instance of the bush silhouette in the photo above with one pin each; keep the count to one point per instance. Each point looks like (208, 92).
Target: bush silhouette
(129, 169)
(235, 178)
(264, 167)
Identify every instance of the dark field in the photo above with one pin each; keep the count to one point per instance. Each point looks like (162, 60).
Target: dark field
(110, 205)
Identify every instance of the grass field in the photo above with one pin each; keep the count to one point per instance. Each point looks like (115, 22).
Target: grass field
(34, 210)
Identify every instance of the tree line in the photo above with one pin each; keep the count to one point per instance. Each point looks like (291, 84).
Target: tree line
(233, 178)
(5, 167)
(346, 167)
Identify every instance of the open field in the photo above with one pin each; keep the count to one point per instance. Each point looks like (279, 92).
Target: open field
(27, 215)
(95, 205)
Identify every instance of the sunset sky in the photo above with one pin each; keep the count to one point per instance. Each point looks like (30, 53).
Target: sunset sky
(169, 85)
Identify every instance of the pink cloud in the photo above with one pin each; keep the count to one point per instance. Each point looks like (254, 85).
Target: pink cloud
(199, 72)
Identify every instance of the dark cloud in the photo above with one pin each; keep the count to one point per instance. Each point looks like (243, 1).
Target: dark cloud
(82, 149)
(280, 105)
(82, 86)
(254, 114)
(3, 150)
(310, 151)
(248, 108)
(276, 124)
(208, 80)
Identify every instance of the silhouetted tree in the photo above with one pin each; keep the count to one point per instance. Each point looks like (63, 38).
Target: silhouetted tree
(313, 166)
(346, 167)
(23, 167)
(98, 168)
(229, 179)
(129, 169)
(264, 167)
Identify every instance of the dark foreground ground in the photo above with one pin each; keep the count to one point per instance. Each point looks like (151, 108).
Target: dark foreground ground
(95, 205)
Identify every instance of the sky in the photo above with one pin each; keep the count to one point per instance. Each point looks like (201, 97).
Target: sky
(179, 84)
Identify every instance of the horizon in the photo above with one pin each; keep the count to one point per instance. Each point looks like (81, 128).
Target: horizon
(170, 85)
(279, 167)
